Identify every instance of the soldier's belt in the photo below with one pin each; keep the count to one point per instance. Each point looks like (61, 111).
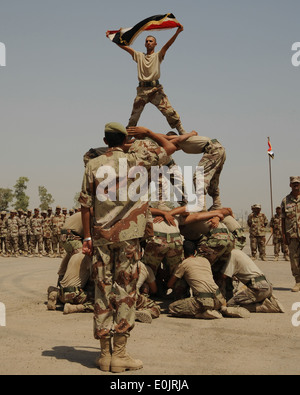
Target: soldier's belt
(256, 280)
(218, 230)
(148, 83)
(160, 234)
(208, 294)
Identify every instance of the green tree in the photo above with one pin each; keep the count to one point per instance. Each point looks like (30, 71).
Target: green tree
(6, 196)
(21, 199)
(45, 198)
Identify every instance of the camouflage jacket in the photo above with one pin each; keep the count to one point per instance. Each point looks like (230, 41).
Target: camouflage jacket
(3, 228)
(275, 224)
(23, 226)
(13, 225)
(47, 227)
(290, 209)
(257, 224)
(119, 212)
(57, 223)
(36, 226)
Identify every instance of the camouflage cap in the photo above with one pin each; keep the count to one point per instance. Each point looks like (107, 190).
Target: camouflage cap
(256, 206)
(3, 212)
(13, 211)
(36, 209)
(294, 179)
(44, 212)
(115, 127)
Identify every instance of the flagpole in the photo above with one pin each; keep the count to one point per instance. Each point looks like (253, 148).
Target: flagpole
(270, 175)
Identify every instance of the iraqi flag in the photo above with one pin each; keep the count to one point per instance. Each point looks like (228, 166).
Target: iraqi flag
(126, 36)
(270, 151)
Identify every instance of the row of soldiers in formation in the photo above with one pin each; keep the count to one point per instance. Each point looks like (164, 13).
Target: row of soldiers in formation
(34, 233)
(257, 222)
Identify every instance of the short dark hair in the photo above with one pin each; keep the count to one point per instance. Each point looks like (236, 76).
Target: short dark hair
(115, 139)
(189, 247)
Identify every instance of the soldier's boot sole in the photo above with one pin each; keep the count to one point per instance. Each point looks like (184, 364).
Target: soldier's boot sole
(143, 316)
(235, 312)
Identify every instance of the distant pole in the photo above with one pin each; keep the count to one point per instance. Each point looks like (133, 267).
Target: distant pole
(271, 156)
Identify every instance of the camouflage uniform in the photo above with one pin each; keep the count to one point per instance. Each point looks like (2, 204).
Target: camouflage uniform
(117, 226)
(290, 208)
(58, 220)
(47, 233)
(28, 230)
(206, 294)
(216, 245)
(152, 92)
(212, 161)
(3, 234)
(257, 231)
(23, 245)
(275, 224)
(36, 231)
(12, 241)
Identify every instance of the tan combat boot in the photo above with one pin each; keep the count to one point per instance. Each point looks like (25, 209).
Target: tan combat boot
(105, 357)
(296, 287)
(143, 316)
(52, 298)
(73, 308)
(235, 312)
(270, 305)
(120, 360)
(209, 315)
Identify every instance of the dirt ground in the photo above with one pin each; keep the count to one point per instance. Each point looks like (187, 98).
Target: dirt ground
(36, 341)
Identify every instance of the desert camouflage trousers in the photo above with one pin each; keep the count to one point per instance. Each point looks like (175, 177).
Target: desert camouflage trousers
(12, 244)
(212, 162)
(294, 252)
(279, 244)
(257, 290)
(145, 303)
(258, 243)
(159, 99)
(216, 245)
(163, 248)
(36, 241)
(115, 272)
(190, 307)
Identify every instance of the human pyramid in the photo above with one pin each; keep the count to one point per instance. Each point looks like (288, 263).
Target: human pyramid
(126, 253)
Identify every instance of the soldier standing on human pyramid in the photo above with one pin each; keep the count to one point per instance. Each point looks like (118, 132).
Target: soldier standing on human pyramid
(149, 89)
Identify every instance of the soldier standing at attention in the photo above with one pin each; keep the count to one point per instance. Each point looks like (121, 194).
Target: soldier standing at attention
(36, 230)
(113, 225)
(276, 230)
(13, 223)
(47, 233)
(3, 234)
(149, 89)
(23, 245)
(290, 207)
(257, 223)
(58, 220)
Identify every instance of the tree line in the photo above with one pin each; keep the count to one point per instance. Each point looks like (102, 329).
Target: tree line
(17, 198)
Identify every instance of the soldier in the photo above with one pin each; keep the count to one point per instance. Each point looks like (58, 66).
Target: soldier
(28, 230)
(149, 89)
(71, 212)
(36, 231)
(3, 234)
(212, 162)
(74, 289)
(207, 301)
(58, 220)
(23, 245)
(47, 233)
(13, 223)
(65, 212)
(257, 293)
(290, 207)
(112, 231)
(257, 223)
(165, 247)
(276, 231)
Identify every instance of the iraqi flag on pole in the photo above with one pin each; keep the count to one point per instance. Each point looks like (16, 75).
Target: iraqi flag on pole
(126, 36)
(270, 151)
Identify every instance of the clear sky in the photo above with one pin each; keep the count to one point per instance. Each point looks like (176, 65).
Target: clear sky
(229, 75)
